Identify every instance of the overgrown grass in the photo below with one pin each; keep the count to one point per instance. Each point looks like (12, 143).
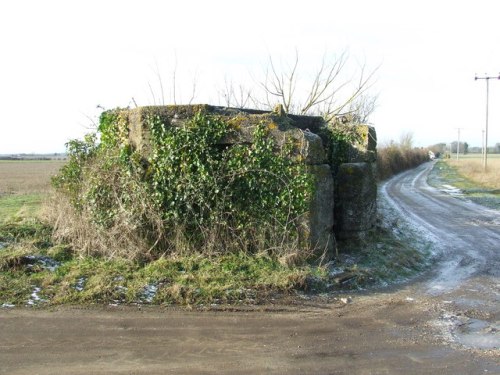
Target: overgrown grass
(34, 271)
(471, 167)
(446, 172)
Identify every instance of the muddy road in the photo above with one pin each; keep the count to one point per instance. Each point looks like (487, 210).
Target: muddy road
(447, 322)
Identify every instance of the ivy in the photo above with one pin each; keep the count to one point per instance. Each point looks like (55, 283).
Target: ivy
(339, 141)
(194, 180)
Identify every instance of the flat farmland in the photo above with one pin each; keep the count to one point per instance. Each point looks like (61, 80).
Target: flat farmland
(27, 176)
(471, 166)
(24, 184)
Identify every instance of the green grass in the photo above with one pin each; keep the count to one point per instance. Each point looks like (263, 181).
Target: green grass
(234, 278)
(16, 206)
(30, 263)
(445, 174)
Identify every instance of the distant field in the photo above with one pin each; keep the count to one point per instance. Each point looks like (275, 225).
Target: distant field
(471, 167)
(27, 177)
(23, 185)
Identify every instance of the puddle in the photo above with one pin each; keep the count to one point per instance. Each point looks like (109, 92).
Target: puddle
(470, 332)
(480, 334)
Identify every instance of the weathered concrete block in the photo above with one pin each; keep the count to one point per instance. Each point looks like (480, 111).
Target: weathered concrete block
(307, 146)
(365, 147)
(355, 209)
(320, 218)
(355, 182)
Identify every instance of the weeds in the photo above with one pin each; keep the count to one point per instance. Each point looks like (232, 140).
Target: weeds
(59, 277)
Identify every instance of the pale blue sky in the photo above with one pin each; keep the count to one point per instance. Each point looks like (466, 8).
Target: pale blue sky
(60, 59)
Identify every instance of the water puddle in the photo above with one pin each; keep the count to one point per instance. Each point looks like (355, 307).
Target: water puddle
(480, 334)
(469, 332)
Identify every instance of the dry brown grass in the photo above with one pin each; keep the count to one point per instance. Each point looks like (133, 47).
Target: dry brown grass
(471, 167)
(27, 177)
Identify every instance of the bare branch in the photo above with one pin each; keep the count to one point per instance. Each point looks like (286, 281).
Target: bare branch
(152, 93)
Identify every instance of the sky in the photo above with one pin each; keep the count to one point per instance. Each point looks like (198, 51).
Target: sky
(63, 61)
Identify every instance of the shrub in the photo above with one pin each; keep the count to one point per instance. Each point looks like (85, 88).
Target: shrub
(191, 194)
(394, 158)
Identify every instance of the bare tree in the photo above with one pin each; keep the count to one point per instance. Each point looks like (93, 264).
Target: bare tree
(406, 141)
(325, 95)
(363, 107)
(175, 93)
(232, 96)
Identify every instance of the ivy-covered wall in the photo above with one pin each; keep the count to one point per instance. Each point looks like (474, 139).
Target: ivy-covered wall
(338, 157)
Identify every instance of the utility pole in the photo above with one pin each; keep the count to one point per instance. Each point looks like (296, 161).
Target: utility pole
(487, 78)
(458, 141)
(482, 140)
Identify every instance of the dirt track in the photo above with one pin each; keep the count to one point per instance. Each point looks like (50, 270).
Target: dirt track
(443, 324)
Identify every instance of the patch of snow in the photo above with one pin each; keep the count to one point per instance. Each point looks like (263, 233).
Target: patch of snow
(35, 298)
(80, 284)
(44, 261)
(149, 293)
(7, 305)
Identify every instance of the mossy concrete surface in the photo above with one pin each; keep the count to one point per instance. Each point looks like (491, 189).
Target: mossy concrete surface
(356, 206)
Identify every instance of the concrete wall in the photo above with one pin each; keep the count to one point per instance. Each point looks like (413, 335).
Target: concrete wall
(344, 202)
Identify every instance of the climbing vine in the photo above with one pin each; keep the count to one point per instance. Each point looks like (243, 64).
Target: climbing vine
(237, 197)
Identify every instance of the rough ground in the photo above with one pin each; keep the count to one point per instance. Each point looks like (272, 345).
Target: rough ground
(445, 323)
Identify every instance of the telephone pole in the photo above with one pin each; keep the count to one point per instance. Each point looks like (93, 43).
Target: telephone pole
(485, 155)
(458, 142)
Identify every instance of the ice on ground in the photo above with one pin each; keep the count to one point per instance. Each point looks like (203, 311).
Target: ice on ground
(149, 293)
(35, 298)
(44, 261)
(452, 190)
(80, 284)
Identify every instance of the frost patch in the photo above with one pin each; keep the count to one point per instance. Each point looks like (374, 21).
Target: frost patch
(35, 298)
(45, 262)
(149, 293)
(452, 190)
(80, 284)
